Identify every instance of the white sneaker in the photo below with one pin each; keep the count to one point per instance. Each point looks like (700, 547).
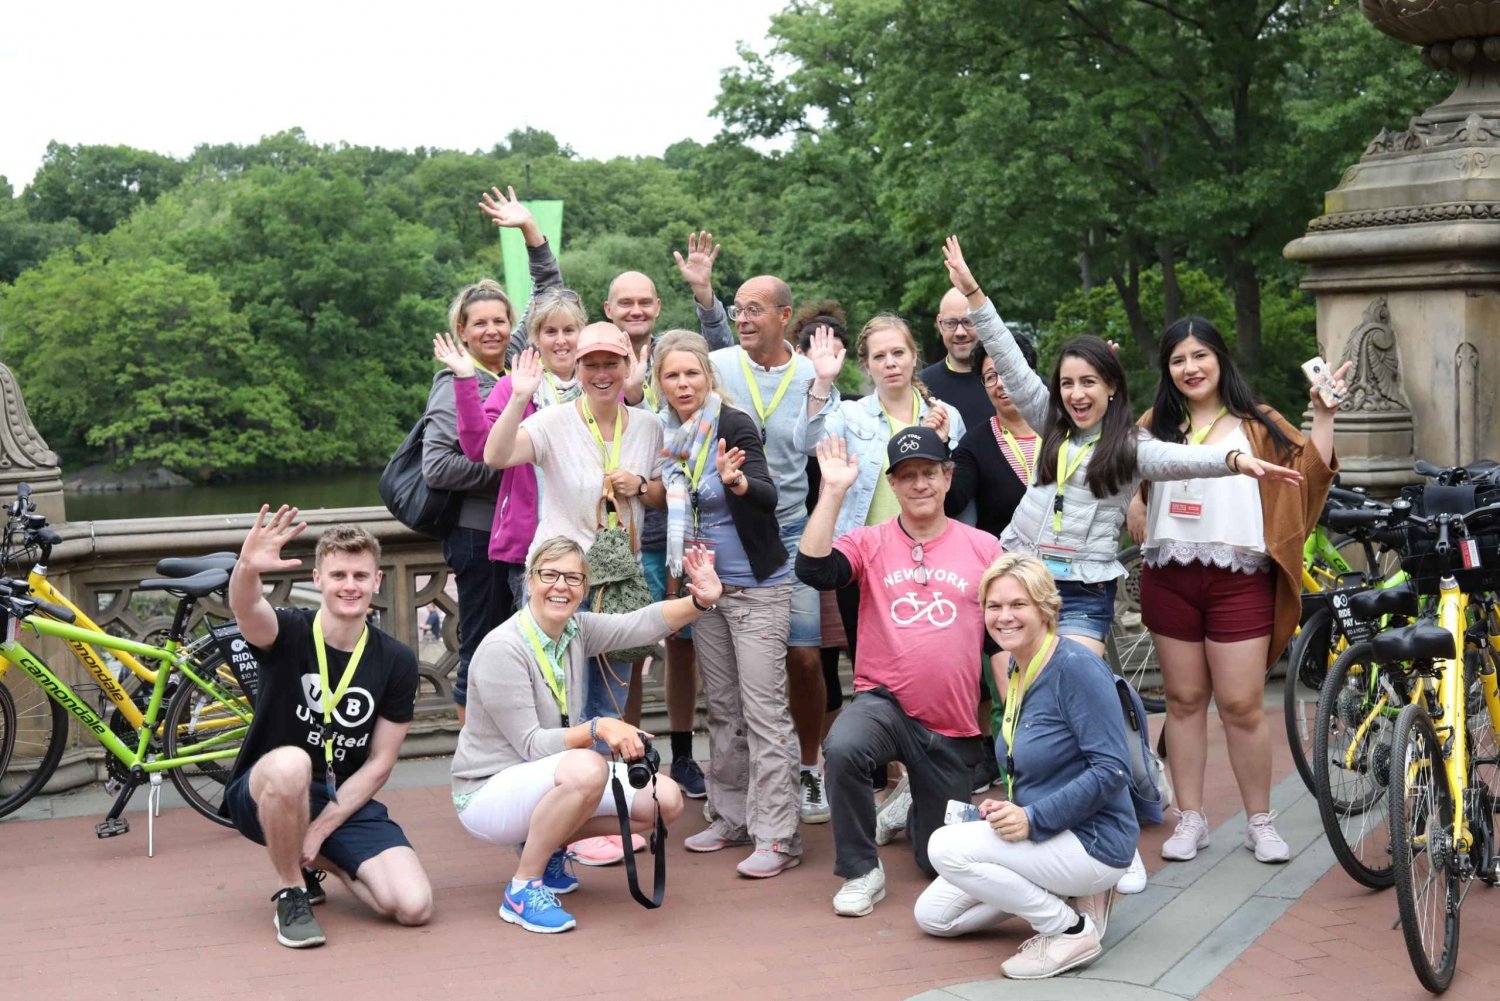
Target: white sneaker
(1262, 839)
(1134, 880)
(1190, 837)
(890, 819)
(814, 809)
(858, 896)
(1048, 955)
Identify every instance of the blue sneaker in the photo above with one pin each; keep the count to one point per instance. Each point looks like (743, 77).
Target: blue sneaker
(535, 908)
(558, 876)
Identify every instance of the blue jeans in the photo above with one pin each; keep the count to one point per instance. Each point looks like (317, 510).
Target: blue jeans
(484, 599)
(606, 689)
(1087, 609)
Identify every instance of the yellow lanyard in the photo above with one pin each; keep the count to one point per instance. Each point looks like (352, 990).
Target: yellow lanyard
(611, 455)
(650, 395)
(484, 368)
(762, 411)
(1196, 437)
(1015, 692)
(1015, 450)
(916, 412)
(334, 697)
(553, 673)
(1065, 471)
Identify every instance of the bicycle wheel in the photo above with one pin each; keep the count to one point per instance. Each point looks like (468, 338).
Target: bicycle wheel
(1133, 653)
(194, 717)
(1351, 787)
(1428, 890)
(33, 733)
(1307, 666)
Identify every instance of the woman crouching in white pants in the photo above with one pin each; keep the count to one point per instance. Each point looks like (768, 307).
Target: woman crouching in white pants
(1052, 852)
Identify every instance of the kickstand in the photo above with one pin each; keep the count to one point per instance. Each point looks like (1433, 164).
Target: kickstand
(153, 810)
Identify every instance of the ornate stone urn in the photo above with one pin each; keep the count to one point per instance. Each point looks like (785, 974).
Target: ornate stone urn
(1405, 259)
(24, 456)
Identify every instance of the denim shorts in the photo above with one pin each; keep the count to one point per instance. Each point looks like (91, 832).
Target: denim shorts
(654, 562)
(1087, 609)
(807, 609)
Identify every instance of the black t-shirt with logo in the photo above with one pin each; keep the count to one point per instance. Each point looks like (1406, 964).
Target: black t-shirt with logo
(289, 708)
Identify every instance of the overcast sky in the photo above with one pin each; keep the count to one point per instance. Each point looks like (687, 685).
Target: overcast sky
(610, 77)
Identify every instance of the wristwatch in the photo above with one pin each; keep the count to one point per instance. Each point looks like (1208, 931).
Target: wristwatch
(735, 483)
(642, 491)
(702, 608)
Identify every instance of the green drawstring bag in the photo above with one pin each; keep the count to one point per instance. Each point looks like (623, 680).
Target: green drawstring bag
(618, 579)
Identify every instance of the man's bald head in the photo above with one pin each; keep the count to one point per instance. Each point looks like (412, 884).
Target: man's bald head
(632, 305)
(763, 308)
(956, 330)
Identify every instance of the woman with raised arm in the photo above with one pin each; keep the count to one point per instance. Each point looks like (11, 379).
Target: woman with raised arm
(720, 495)
(1222, 582)
(525, 771)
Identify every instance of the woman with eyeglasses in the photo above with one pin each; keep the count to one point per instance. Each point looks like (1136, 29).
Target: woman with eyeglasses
(720, 496)
(994, 461)
(525, 772)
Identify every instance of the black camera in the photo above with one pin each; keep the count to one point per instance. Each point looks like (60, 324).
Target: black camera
(643, 769)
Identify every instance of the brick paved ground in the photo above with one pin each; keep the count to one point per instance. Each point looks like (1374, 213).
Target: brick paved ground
(196, 921)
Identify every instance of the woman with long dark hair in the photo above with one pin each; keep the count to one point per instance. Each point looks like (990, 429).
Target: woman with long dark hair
(1221, 585)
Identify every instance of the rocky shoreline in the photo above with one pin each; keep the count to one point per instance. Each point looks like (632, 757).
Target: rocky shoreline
(101, 479)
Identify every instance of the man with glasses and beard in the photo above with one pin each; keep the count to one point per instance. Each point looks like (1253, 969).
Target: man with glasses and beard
(921, 633)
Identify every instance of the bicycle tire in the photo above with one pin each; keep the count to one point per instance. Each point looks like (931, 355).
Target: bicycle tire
(192, 715)
(35, 732)
(1133, 656)
(1428, 891)
(1307, 666)
(1351, 801)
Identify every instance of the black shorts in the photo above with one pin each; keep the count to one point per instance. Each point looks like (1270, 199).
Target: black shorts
(364, 835)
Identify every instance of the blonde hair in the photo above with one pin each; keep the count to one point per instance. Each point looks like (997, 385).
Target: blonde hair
(550, 302)
(1034, 578)
(556, 548)
(484, 290)
(694, 344)
(890, 321)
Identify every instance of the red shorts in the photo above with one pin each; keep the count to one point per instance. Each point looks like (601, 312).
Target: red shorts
(1194, 602)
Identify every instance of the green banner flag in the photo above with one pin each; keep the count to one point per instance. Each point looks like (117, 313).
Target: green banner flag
(548, 216)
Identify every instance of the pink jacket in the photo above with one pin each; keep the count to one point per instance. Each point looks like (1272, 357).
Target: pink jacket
(516, 506)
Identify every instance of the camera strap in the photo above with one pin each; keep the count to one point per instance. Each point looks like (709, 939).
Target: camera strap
(658, 846)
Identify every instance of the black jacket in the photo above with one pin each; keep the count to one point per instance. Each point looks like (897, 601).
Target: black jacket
(982, 474)
(754, 514)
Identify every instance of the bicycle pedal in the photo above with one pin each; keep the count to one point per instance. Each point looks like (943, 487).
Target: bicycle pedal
(112, 828)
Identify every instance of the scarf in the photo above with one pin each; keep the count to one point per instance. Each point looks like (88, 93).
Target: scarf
(698, 432)
(553, 390)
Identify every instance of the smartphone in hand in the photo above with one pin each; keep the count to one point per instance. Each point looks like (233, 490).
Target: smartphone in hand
(959, 812)
(1320, 375)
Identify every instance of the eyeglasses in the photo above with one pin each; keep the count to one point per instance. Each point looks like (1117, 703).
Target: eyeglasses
(949, 325)
(549, 576)
(560, 294)
(753, 311)
(920, 576)
(991, 377)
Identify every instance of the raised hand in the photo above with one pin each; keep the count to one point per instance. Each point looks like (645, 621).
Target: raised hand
(452, 354)
(1340, 389)
(698, 267)
(839, 468)
(507, 212)
(826, 352)
(958, 269)
(526, 373)
(937, 419)
(640, 368)
(729, 461)
(261, 551)
(1249, 465)
(702, 582)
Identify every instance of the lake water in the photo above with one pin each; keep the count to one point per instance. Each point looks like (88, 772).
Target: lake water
(343, 489)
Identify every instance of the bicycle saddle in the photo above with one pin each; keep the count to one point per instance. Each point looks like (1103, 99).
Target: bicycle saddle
(198, 585)
(1421, 641)
(1398, 600)
(187, 566)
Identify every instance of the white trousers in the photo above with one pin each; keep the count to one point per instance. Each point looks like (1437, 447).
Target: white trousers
(983, 879)
(500, 811)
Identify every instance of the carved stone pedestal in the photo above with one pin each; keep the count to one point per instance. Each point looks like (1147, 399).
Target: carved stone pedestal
(24, 456)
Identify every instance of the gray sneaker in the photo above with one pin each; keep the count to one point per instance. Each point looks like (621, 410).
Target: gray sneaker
(296, 928)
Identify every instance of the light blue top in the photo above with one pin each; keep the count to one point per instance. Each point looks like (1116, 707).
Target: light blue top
(787, 462)
(731, 562)
(866, 431)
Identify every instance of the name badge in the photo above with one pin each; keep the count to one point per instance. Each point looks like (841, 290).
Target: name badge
(1058, 560)
(1186, 503)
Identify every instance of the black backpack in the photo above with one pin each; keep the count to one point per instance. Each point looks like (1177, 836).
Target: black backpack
(407, 496)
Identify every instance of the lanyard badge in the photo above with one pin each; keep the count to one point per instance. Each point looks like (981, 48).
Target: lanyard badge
(764, 411)
(553, 673)
(1015, 693)
(334, 697)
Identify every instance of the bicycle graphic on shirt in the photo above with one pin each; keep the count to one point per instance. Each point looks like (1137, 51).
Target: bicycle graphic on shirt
(939, 612)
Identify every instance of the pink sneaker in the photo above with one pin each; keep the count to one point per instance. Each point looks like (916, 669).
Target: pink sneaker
(764, 863)
(599, 851)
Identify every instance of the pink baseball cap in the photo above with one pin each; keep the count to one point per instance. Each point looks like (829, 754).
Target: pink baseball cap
(602, 337)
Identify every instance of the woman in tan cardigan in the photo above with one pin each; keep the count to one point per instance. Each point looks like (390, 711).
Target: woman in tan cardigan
(1221, 585)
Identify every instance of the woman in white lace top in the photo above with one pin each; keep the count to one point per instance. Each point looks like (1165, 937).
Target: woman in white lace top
(1222, 577)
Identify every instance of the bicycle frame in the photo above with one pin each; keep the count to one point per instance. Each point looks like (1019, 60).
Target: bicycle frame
(170, 657)
(1318, 549)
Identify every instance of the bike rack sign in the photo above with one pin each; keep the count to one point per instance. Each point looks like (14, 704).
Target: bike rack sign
(241, 660)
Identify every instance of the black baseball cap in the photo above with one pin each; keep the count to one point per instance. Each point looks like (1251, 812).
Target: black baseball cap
(920, 442)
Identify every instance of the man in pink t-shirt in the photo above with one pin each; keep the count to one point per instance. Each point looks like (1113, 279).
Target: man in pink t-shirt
(921, 635)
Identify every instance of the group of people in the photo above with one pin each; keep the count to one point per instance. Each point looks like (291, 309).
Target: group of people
(956, 529)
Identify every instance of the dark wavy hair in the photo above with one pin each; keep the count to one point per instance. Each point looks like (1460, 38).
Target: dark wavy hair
(1112, 466)
(1169, 412)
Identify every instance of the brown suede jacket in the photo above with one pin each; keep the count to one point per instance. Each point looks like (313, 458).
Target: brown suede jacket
(1290, 512)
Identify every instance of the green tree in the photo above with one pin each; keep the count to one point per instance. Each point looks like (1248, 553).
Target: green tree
(98, 186)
